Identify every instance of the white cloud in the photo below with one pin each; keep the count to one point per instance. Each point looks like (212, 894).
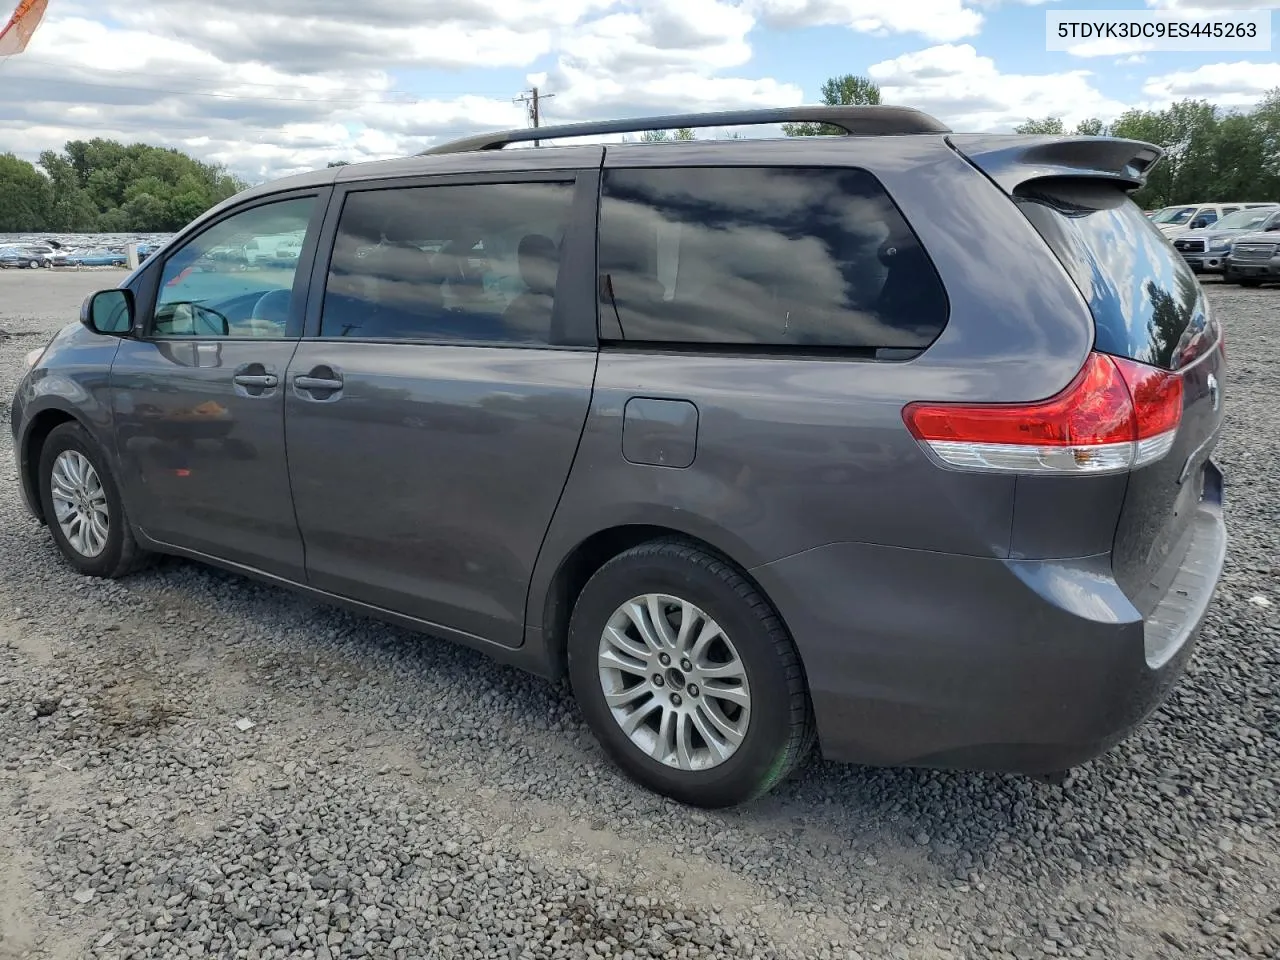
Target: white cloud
(932, 19)
(312, 81)
(968, 92)
(1240, 84)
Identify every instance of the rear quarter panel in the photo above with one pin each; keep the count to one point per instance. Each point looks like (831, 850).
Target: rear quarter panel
(794, 453)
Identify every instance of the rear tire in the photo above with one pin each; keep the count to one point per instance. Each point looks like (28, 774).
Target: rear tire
(730, 717)
(1249, 282)
(83, 507)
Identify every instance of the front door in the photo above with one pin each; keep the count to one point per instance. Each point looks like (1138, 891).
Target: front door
(199, 394)
(433, 416)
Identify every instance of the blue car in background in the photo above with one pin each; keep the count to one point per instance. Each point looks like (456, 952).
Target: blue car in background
(97, 258)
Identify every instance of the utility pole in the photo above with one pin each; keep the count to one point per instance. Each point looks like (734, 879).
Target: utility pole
(533, 99)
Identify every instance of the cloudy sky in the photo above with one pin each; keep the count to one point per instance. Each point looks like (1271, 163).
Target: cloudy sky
(275, 86)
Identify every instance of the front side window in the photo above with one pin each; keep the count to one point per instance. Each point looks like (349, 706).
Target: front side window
(236, 278)
(474, 263)
(778, 257)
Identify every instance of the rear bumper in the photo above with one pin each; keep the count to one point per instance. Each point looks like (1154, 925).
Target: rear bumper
(928, 659)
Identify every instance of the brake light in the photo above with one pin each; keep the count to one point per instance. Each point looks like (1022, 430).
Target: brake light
(1115, 415)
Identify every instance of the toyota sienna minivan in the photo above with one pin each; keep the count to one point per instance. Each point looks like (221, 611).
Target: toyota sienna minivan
(898, 442)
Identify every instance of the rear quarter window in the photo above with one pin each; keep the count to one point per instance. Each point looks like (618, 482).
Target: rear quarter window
(766, 257)
(1146, 302)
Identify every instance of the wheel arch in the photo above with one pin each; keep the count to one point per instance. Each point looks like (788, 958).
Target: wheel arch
(34, 436)
(588, 555)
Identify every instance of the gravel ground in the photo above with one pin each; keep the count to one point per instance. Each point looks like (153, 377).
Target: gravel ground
(403, 798)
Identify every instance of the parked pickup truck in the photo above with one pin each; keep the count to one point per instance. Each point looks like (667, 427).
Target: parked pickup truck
(1206, 250)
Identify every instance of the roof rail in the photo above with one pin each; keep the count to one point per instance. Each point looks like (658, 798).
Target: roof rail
(854, 121)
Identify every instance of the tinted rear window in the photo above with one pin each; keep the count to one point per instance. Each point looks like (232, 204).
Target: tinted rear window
(1147, 304)
(776, 257)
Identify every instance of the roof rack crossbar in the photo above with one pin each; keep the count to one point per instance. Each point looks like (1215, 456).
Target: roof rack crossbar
(853, 120)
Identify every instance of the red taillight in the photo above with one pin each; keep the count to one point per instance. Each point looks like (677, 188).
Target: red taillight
(1115, 415)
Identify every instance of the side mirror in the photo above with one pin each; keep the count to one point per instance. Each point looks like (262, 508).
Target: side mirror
(108, 312)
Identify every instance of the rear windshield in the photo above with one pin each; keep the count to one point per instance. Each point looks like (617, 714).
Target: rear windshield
(1147, 304)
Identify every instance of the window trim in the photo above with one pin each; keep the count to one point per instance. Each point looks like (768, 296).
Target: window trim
(610, 329)
(574, 311)
(149, 288)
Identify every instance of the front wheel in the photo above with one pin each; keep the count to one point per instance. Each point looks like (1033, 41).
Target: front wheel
(82, 505)
(687, 676)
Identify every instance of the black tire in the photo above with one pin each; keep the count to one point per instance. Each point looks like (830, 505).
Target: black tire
(780, 732)
(121, 555)
(1249, 282)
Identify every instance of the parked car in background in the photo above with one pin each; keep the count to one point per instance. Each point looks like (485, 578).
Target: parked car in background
(1255, 257)
(97, 258)
(1206, 250)
(23, 257)
(837, 474)
(1179, 219)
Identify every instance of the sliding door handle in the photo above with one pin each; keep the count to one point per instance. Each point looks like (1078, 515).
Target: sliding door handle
(317, 383)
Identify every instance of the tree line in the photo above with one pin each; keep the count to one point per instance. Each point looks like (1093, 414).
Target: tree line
(102, 186)
(1211, 153)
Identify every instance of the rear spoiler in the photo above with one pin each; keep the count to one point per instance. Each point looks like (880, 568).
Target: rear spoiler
(1012, 160)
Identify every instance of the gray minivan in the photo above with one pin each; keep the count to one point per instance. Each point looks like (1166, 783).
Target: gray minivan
(754, 439)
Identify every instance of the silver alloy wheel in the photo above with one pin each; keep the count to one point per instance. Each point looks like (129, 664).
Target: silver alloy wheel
(674, 682)
(80, 503)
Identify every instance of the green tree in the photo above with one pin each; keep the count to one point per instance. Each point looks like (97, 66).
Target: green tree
(1045, 125)
(665, 136)
(846, 90)
(26, 196)
(104, 185)
(1093, 127)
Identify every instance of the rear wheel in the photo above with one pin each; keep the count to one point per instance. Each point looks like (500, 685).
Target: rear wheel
(1249, 282)
(82, 505)
(687, 677)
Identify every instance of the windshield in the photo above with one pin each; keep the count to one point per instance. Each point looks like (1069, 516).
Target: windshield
(1174, 215)
(1251, 219)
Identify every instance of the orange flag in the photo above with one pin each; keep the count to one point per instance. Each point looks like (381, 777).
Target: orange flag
(23, 23)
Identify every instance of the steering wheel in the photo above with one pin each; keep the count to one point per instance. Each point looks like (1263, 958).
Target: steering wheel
(271, 308)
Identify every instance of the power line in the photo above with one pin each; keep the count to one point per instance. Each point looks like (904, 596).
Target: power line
(533, 98)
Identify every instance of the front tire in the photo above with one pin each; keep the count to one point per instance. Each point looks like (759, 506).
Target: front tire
(82, 505)
(687, 676)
